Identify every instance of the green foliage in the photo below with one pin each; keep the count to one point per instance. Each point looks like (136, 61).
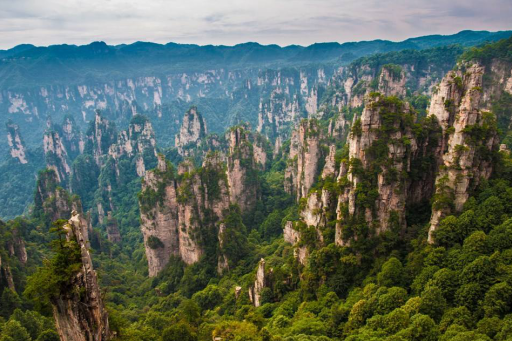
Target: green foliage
(394, 70)
(484, 54)
(154, 242)
(53, 279)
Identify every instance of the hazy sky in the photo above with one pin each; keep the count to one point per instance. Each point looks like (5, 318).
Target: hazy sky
(283, 22)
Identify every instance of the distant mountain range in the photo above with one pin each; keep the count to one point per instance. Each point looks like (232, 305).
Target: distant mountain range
(28, 65)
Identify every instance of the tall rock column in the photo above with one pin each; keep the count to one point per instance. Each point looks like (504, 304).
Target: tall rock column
(192, 130)
(177, 213)
(303, 162)
(374, 188)
(259, 283)
(469, 139)
(242, 169)
(160, 224)
(16, 146)
(79, 313)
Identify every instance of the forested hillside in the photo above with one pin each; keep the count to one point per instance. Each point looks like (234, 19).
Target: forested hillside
(377, 206)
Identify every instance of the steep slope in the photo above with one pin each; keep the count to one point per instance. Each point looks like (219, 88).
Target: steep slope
(79, 311)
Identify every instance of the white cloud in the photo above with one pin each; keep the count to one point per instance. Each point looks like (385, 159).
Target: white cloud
(45, 22)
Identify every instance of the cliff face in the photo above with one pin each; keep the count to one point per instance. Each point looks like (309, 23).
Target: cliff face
(382, 171)
(52, 202)
(469, 138)
(113, 234)
(17, 148)
(99, 137)
(394, 161)
(79, 313)
(72, 137)
(61, 145)
(259, 283)
(177, 212)
(181, 212)
(138, 141)
(305, 154)
(292, 94)
(416, 72)
(56, 155)
(242, 172)
(381, 146)
(193, 129)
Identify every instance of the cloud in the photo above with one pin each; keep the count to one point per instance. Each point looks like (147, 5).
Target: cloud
(283, 22)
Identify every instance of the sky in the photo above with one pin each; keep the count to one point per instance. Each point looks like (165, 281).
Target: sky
(229, 22)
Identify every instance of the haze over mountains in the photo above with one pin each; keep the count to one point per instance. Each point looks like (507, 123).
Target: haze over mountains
(335, 192)
(43, 86)
(27, 65)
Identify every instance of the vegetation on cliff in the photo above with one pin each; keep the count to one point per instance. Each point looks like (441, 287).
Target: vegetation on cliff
(392, 285)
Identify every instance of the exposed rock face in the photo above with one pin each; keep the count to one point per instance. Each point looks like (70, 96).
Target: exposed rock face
(304, 157)
(113, 234)
(392, 81)
(385, 126)
(338, 127)
(462, 152)
(179, 211)
(242, 169)
(330, 163)
(56, 155)
(16, 146)
(417, 73)
(100, 136)
(175, 211)
(16, 247)
(80, 314)
(193, 129)
(52, 202)
(72, 137)
(291, 235)
(62, 144)
(138, 141)
(370, 186)
(259, 283)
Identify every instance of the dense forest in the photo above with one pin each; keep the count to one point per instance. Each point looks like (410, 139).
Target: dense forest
(383, 214)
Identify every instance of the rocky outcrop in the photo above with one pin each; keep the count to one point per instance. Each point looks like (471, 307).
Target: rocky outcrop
(469, 139)
(176, 212)
(100, 136)
(260, 282)
(56, 155)
(79, 312)
(277, 113)
(61, 145)
(17, 147)
(377, 177)
(242, 167)
(72, 137)
(381, 146)
(303, 160)
(52, 202)
(192, 130)
(113, 234)
(338, 127)
(137, 142)
(392, 81)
